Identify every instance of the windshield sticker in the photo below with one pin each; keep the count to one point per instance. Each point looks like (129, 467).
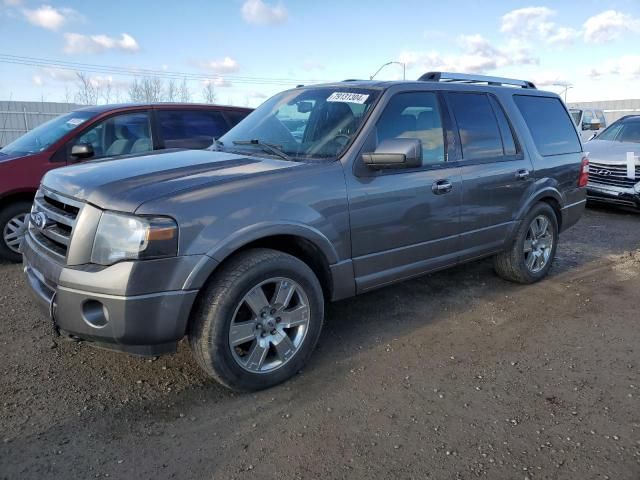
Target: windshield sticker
(348, 97)
(74, 122)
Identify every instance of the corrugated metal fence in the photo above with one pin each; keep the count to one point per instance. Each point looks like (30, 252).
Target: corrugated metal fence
(613, 109)
(17, 118)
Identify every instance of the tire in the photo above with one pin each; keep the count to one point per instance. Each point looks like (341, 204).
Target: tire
(514, 264)
(228, 311)
(9, 218)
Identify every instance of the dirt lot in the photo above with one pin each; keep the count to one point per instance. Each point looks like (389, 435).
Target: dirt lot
(455, 375)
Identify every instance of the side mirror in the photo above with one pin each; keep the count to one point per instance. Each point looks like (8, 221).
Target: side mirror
(395, 153)
(82, 151)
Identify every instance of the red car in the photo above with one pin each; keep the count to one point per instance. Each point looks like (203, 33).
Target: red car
(97, 132)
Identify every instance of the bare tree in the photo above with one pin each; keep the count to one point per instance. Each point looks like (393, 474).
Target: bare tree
(184, 93)
(136, 95)
(171, 92)
(208, 92)
(68, 97)
(117, 94)
(152, 89)
(107, 91)
(88, 91)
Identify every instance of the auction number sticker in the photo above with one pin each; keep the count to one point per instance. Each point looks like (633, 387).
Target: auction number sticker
(74, 122)
(348, 97)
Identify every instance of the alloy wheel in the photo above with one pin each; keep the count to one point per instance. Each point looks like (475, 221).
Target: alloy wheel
(14, 230)
(538, 244)
(269, 325)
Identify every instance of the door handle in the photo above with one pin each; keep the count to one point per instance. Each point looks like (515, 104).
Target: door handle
(522, 174)
(440, 187)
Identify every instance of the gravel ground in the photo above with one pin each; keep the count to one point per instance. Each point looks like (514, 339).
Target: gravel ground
(454, 375)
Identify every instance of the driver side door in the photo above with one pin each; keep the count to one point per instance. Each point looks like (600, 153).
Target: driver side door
(406, 221)
(120, 134)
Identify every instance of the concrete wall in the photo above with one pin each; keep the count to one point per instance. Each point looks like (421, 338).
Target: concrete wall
(17, 118)
(613, 109)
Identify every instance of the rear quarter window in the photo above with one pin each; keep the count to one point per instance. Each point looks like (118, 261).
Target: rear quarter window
(549, 123)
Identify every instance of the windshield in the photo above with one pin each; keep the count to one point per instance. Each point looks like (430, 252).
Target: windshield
(311, 123)
(576, 114)
(622, 131)
(46, 134)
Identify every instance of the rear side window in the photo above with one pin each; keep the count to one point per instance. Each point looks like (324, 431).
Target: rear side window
(190, 128)
(601, 118)
(549, 123)
(479, 132)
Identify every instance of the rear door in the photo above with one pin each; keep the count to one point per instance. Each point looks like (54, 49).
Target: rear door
(189, 128)
(496, 175)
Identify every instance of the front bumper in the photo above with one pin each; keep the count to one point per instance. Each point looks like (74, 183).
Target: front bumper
(613, 195)
(117, 313)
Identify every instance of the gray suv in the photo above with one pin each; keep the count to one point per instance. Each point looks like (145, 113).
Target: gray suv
(322, 193)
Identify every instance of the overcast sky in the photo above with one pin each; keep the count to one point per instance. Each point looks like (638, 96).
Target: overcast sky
(241, 46)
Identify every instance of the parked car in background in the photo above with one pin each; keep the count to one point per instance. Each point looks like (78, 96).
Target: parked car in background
(614, 175)
(589, 121)
(374, 183)
(92, 133)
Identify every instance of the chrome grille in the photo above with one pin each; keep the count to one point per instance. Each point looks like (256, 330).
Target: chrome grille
(613, 175)
(52, 220)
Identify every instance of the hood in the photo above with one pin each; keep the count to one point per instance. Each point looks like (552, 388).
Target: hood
(126, 183)
(606, 151)
(4, 157)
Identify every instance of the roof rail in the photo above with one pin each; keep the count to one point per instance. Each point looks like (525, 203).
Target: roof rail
(472, 78)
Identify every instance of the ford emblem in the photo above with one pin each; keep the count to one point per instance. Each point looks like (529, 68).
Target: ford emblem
(39, 219)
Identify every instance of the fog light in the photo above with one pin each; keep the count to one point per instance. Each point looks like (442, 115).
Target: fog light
(95, 314)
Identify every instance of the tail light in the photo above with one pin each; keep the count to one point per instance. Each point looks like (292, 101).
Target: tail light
(584, 173)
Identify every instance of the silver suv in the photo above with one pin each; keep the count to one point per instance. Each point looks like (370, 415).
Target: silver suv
(322, 193)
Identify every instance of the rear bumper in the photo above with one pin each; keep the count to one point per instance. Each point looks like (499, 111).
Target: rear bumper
(146, 324)
(572, 213)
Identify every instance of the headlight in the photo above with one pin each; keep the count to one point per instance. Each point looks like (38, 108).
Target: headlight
(128, 237)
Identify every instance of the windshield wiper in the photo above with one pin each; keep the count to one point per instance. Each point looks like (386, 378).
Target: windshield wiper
(216, 146)
(267, 147)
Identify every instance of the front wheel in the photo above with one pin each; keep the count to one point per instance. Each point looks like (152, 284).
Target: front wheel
(530, 256)
(14, 219)
(258, 320)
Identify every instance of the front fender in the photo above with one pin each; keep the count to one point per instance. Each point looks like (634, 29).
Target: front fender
(249, 234)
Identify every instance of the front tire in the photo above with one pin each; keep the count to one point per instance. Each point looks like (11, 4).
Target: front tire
(258, 320)
(530, 256)
(14, 219)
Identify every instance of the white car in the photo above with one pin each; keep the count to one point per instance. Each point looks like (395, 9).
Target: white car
(589, 121)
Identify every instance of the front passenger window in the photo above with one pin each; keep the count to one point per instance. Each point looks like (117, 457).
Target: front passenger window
(415, 115)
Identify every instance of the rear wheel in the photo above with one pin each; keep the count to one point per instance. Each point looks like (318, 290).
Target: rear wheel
(14, 219)
(530, 256)
(258, 320)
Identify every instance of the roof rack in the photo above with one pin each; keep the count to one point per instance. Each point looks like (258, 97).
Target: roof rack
(472, 78)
